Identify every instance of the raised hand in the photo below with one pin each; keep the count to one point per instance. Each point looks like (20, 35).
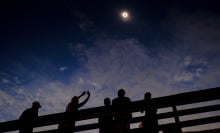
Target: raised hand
(88, 93)
(83, 93)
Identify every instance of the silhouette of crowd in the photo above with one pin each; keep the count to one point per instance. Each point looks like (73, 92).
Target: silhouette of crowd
(118, 122)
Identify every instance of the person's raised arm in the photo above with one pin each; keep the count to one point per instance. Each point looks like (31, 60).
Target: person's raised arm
(82, 103)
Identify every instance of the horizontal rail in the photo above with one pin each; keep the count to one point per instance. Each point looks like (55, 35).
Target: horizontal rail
(200, 121)
(190, 111)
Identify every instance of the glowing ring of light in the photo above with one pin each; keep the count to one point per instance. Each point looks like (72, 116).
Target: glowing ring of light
(124, 14)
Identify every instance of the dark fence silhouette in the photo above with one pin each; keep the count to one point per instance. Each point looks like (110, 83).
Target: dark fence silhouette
(161, 102)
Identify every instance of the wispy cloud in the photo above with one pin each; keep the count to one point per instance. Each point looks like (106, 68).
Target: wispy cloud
(85, 23)
(5, 81)
(63, 68)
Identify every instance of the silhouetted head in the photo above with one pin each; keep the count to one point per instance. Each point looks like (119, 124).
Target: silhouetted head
(107, 101)
(121, 93)
(36, 105)
(75, 100)
(147, 96)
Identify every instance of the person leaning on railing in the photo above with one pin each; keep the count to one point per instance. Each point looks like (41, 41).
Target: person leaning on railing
(150, 123)
(28, 117)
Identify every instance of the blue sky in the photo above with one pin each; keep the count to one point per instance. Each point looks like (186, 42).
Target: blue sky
(53, 51)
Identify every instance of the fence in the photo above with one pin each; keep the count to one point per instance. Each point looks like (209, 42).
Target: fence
(172, 101)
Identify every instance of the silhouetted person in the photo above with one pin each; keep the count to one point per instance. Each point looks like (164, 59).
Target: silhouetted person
(123, 117)
(72, 107)
(106, 122)
(150, 123)
(28, 117)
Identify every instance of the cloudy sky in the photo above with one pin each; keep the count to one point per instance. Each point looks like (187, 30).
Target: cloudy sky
(53, 50)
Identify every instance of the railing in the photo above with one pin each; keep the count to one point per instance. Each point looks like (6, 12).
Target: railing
(162, 102)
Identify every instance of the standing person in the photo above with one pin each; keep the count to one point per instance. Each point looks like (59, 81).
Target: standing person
(106, 122)
(72, 107)
(150, 123)
(122, 118)
(28, 117)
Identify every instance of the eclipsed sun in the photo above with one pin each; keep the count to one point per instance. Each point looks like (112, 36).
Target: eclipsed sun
(125, 15)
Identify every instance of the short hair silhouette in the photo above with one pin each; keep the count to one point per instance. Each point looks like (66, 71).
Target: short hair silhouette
(121, 93)
(107, 101)
(36, 104)
(147, 96)
(75, 100)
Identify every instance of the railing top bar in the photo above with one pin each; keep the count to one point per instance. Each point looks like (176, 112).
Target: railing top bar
(188, 97)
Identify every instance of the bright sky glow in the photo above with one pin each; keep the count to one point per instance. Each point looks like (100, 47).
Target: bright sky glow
(125, 15)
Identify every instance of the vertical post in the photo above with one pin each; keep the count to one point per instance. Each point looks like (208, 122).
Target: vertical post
(177, 120)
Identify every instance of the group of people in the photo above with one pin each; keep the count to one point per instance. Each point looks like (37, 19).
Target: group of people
(118, 122)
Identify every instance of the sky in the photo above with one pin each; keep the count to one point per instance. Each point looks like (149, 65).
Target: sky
(52, 50)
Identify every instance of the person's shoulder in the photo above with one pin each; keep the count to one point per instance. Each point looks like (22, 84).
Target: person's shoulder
(69, 104)
(25, 113)
(69, 107)
(127, 99)
(28, 110)
(114, 100)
